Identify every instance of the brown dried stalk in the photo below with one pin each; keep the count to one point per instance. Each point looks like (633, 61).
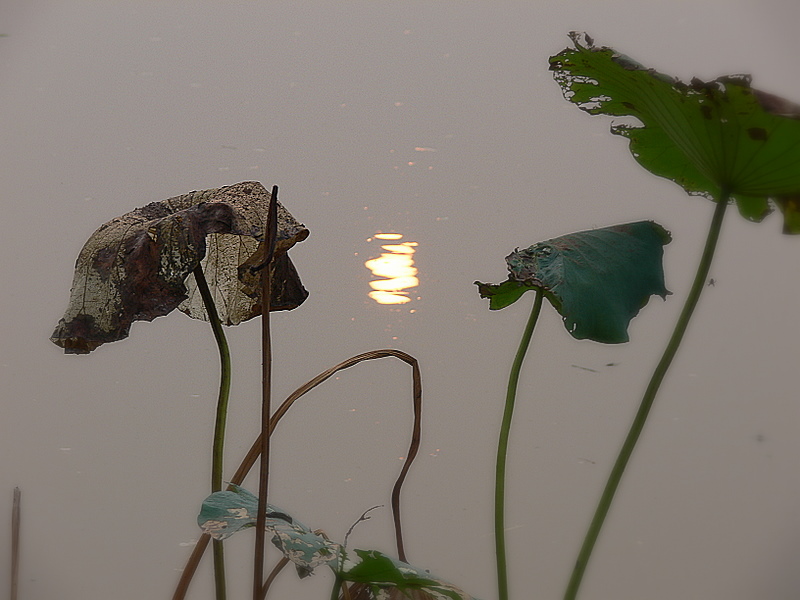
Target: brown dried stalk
(255, 451)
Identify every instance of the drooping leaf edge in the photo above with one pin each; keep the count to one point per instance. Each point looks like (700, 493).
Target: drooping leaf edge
(501, 295)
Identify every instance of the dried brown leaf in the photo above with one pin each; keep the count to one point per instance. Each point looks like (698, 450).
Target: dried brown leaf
(135, 267)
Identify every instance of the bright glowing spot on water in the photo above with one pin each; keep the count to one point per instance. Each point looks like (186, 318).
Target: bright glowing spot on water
(388, 298)
(394, 284)
(396, 270)
(405, 248)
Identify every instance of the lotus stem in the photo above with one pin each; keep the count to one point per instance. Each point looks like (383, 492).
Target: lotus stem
(255, 450)
(270, 236)
(222, 416)
(337, 586)
(502, 450)
(647, 400)
(15, 524)
(277, 569)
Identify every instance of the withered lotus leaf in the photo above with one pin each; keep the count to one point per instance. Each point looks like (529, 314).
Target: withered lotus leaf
(139, 266)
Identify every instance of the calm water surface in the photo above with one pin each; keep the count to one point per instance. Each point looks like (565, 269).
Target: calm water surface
(438, 122)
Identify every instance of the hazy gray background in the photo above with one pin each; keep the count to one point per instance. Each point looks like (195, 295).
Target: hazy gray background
(106, 106)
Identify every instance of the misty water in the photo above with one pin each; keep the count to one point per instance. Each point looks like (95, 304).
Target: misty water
(438, 122)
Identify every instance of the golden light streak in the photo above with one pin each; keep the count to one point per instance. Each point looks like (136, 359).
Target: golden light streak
(396, 270)
(405, 248)
(388, 298)
(395, 284)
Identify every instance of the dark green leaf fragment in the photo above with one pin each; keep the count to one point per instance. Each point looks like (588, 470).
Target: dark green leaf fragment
(503, 294)
(382, 573)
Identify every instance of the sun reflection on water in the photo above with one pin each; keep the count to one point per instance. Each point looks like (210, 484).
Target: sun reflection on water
(395, 268)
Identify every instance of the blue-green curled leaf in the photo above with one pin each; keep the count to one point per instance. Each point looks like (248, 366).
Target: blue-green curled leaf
(225, 513)
(598, 280)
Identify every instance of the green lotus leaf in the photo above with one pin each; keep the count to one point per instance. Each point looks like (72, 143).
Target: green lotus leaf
(708, 137)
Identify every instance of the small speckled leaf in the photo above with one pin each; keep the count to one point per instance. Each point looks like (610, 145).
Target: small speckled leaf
(598, 280)
(135, 267)
(704, 136)
(224, 513)
(390, 578)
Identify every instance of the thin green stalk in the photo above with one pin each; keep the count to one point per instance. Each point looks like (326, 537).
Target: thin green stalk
(337, 587)
(502, 450)
(647, 400)
(222, 414)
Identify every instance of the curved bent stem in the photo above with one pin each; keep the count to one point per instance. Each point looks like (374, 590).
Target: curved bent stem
(647, 400)
(278, 568)
(222, 415)
(502, 450)
(255, 451)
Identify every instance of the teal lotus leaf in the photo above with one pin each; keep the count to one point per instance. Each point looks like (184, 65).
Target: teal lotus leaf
(598, 280)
